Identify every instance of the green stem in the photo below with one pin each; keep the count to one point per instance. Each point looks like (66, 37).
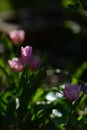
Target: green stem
(75, 105)
(72, 112)
(4, 70)
(69, 114)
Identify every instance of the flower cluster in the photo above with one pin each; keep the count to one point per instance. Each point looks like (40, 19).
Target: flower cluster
(26, 59)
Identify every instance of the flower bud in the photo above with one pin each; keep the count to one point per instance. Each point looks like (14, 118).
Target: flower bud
(26, 55)
(84, 87)
(16, 65)
(35, 64)
(71, 92)
(17, 36)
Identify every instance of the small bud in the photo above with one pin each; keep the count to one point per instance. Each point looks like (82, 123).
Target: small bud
(16, 65)
(35, 63)
(84, 88)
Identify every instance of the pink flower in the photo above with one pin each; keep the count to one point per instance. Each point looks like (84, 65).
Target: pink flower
(71, 92)
(17, 36)
(16, 65)
(35, 63)
(26, 55)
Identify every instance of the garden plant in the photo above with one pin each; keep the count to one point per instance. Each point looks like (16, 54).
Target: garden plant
(34, 96)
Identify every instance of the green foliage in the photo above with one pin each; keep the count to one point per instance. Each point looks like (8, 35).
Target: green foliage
(77, 75)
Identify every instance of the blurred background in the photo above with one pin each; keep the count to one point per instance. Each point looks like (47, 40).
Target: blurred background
(57, 28)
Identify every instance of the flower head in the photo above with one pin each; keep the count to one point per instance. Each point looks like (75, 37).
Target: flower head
(35, 63)
(71, 92)
(17, 36)
(84, 88)
(26, 55)
(16, 65)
